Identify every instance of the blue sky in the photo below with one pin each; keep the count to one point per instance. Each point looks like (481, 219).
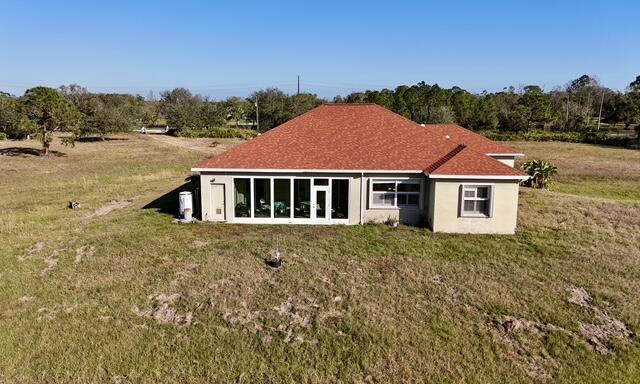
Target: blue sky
(234, 47)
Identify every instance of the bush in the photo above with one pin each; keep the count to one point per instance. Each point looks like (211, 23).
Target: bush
(225, 133)
(3, 136)
(540, 171)
(589, 137)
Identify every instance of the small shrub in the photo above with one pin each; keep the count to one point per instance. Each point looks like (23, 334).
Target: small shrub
(391, 222)
(540, 171)
(3, 136)
(224, 133)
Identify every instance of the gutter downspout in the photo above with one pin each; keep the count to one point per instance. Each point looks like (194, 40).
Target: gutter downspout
(361, 198)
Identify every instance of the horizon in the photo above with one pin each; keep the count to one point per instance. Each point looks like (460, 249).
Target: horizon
(227, 50)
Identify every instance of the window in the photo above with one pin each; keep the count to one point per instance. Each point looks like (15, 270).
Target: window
(242, 197)
(339, 199)
(302, 198)
(262, 201)
(320, 181)
(282, 198)
(476, 201)
(395, 193)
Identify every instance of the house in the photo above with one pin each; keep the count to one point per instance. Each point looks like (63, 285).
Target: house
(354, 163)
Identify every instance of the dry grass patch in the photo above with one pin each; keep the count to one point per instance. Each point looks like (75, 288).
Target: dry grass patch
(134, 298)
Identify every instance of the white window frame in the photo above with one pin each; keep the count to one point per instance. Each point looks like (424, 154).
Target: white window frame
(252, 219)
(396, 193)
(489, 198)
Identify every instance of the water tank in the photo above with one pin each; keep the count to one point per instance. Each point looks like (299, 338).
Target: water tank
(186, 202)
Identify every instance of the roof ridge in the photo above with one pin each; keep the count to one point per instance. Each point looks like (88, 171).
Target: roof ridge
(440, 162)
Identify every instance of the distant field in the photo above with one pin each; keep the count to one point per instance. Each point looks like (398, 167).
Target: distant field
(589, 170)
(115, 292)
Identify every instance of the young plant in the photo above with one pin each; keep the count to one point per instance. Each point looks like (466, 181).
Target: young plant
(540, 171)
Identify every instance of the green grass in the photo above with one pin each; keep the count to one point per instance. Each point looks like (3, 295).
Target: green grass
(360, 303)
(589, 170)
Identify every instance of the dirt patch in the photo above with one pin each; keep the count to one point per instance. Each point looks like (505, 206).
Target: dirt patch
(84, 251)
(524, 341)
(110, 206)
(605, 329)
(25, 299)
(579, 296)
(162, 309)
(197, 244)
(37, 248)
(50, 262)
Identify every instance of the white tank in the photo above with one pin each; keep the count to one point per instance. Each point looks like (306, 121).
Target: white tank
(186, 201)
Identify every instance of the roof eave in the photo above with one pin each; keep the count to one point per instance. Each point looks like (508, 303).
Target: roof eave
(481, 177)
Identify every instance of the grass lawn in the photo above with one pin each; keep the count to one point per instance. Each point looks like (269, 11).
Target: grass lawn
(115, 292)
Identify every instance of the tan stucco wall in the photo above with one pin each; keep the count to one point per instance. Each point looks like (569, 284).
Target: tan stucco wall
(413, 216)
(445, 216)
(508, 160)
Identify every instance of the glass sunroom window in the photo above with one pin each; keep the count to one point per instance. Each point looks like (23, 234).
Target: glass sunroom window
(302, 198)
(282, 198)
(339, 199)
(242, 197)
(262, 201)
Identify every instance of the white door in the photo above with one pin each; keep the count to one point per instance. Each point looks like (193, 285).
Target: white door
(217, 202)
(320, 209)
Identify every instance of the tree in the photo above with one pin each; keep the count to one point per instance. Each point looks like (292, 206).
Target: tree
(181, 109)
(272, 108)
(109, 113)
(538, 104)
(486, 114)
(236, 109)
(463, 104)
(51, 112)
(14, 123)
(74, 93)
(634, 86)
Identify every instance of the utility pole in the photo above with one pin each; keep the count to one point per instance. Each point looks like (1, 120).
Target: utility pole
(566, 119)
(298, 84)
(257, 115)
(600, 113)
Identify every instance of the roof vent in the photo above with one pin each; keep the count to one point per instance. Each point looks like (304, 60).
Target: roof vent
(447, 136)
(422, 125)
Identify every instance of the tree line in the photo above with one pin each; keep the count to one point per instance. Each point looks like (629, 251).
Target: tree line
(578, 106)
(574, 107)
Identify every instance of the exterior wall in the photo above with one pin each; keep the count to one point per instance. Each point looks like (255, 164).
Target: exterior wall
(439, 209)
(412, 216)
(445, 216)
(356, 200)
(507, 160)
(206, 179)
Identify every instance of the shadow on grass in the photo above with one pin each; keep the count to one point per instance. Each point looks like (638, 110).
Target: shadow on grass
(28, 152)
(168, 203)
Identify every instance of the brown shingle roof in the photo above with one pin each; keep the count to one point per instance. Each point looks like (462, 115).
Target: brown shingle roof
(468, 162)
(462, 135)
(356, 137)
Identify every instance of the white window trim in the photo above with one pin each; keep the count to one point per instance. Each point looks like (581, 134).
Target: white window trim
(286, 220)
(395, 205)
(461, 200)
